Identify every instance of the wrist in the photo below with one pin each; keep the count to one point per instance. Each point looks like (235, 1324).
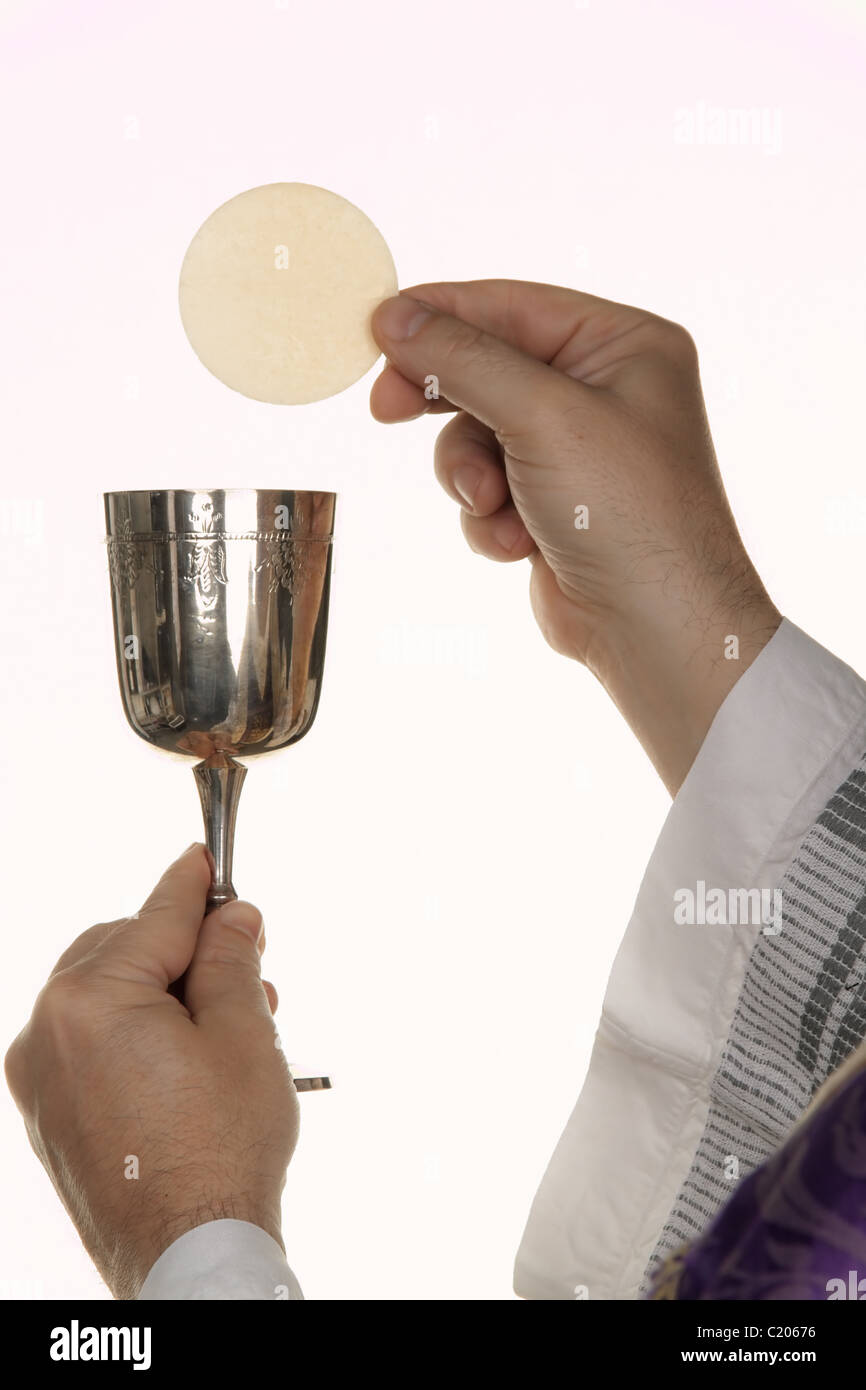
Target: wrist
(137, 1251)
(669, 666)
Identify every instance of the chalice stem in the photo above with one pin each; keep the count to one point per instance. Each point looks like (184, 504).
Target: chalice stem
(219, 779)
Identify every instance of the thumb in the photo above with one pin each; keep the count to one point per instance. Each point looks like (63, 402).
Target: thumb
(225, 973)
(156, 945)
(504, 388)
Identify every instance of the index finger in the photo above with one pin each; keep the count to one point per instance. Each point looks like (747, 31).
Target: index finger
(541, 320)
(559, 326)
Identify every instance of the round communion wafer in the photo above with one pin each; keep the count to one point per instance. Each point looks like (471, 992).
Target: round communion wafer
(277, 289)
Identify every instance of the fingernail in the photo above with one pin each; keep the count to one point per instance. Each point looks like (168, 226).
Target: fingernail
(466, 479)
(508, 531)
(401, 317)
(244, 917)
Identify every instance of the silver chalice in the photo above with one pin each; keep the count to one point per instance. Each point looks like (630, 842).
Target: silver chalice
(220, 601)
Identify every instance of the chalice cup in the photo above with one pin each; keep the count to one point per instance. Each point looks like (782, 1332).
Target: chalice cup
(220, 600)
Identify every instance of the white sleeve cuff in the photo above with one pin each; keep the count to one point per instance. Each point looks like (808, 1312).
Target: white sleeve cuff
(222, 1260)
(785, 738)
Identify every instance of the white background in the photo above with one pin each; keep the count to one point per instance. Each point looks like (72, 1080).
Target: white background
(447, 862)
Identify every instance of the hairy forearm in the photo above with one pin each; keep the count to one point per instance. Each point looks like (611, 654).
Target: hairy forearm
(669, 667)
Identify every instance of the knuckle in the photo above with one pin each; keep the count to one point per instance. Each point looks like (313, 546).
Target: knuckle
(15, 1065)
(66, 991)
(679, 342)
(63, 1018)
(65, 999)
(235, 957)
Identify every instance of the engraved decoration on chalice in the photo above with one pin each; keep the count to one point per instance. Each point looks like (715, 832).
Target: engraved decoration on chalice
(220, 602)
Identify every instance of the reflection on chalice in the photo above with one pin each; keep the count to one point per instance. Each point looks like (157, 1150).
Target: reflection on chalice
(220, 602)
